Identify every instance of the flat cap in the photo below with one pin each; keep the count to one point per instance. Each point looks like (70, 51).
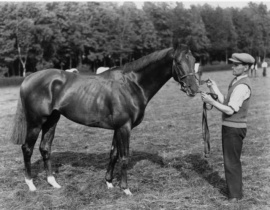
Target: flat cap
(242, 58)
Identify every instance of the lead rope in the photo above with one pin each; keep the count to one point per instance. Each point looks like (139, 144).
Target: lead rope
(205, 129)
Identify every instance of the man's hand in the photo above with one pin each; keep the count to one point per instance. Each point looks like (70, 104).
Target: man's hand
(207, 98)
(211, 83)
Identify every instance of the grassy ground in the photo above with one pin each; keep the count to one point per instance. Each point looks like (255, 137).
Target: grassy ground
(10, 81)
(167, 168)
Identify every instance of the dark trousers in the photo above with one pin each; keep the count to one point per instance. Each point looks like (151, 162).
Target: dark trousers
(232, 142)
(264, 72)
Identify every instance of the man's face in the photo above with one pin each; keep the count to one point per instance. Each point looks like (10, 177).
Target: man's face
(239, 69)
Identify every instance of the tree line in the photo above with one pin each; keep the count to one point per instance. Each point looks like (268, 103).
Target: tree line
(86, 35)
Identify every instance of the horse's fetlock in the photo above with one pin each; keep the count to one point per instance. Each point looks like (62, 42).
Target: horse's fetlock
(108, 177)
(124, 162)
(123, 185)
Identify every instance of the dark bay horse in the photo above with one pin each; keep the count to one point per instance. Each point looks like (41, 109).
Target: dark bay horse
(115, 99)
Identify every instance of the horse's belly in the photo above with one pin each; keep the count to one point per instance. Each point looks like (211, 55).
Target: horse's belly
(86, 116)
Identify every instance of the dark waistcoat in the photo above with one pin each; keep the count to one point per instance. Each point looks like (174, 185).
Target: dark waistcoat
(238, 119)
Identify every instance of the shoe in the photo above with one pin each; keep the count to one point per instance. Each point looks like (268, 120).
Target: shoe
(231, 201)
(234, 200)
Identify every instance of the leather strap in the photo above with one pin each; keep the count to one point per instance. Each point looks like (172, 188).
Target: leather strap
(205, 129)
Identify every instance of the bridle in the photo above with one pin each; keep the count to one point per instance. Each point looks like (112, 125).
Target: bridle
(180, 78)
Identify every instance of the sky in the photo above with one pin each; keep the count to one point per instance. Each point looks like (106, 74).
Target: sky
(187, 3)
(213, 3)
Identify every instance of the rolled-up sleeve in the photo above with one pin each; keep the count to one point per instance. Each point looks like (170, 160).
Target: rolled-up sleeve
(238, 96)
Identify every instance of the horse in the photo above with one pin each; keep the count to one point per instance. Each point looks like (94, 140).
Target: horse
(102, 69)
(114, 100)
(72, 70)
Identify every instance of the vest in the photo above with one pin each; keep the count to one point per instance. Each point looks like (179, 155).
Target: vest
(238, 119)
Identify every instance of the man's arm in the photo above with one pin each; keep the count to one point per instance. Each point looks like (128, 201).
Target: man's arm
(211, 84)
(221, 107)
(238, 96)
(240, 93)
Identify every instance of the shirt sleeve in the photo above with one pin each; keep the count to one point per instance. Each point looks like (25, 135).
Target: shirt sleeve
(239, 95)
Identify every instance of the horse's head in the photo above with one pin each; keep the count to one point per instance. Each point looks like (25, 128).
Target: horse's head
(183, 70)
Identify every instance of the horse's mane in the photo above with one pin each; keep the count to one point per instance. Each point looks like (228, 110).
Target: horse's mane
(145, 61)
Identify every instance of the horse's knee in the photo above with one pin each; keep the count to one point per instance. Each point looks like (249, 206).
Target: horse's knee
(44, 152)
(27, 151)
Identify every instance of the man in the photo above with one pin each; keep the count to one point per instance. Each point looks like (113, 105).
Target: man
(234, 109)
(264, 66)
(254, 68)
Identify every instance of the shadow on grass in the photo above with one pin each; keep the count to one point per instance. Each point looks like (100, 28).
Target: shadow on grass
(194, 162)
(87, 160)
(206, 171)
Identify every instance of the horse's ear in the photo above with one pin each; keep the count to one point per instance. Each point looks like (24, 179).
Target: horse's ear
(185, 48)
(178, 46)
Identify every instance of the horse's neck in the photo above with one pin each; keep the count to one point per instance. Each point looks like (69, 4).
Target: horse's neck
(154, 76)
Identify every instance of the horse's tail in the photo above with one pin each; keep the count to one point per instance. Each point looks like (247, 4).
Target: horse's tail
(18, 134)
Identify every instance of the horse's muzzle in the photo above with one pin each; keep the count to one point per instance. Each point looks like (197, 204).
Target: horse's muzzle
(188, 91)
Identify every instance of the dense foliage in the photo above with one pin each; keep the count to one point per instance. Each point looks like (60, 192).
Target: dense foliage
(86, 35)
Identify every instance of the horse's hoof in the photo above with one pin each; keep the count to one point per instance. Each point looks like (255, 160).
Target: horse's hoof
(51, 181)
(127, 192)
(30, 184)
(109, 185)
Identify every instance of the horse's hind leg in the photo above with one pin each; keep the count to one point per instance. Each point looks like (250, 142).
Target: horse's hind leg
(123, 135)
(113, 160)
(27, 149)
(48, 130)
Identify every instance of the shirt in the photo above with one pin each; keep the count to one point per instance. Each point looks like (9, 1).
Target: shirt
(264, 64)
(239, 95)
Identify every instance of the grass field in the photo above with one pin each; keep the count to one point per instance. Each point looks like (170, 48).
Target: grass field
(167, 169)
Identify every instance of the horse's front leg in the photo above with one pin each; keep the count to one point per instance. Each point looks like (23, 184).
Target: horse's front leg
(122, 137)
(113, 159)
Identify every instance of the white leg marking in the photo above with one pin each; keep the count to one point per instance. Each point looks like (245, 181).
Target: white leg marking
(109, 185)
(127, 192)
(30, 184)
(51, 181)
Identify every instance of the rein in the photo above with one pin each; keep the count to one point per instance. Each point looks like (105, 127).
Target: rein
(205, 129)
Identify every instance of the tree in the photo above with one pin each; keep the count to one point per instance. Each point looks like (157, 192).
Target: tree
(259, 18)
(220, 32)
(23, 40)
(159, 15)
(188, 27)
(7, 37)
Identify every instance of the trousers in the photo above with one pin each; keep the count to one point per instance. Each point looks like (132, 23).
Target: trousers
(232, 143)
